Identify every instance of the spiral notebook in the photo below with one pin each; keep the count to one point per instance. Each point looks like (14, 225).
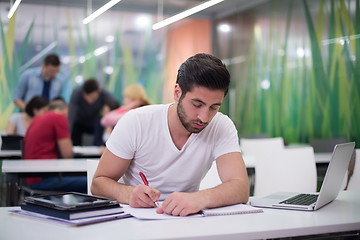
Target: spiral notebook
(231, 210)
(150, 213)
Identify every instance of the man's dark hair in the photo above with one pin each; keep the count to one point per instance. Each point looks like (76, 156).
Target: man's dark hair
(36, 102)
(58, 103)
(90, 85)
(112, 103)
(52, 59)
(203, 70)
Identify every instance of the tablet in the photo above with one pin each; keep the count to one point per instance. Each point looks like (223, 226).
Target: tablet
(70, 201)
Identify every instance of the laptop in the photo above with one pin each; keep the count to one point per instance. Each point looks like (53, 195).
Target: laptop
(312, 201)
(11, 142)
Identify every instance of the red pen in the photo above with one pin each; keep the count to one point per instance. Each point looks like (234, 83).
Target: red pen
(146, 182)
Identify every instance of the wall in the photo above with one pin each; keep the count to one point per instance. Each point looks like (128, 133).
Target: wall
(131, 51)
(180, 46)
(295, 68)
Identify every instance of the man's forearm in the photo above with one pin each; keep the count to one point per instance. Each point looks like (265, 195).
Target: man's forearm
(232, 192)
(107, 187)
(20, 103)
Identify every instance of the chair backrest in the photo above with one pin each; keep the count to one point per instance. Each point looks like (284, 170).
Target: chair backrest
(251, 146)
(252, 136)
(91, 166)
(354, 183)
(288, 170)
(11, 142)
(325, 145)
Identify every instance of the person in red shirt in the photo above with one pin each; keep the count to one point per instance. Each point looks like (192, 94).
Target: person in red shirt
(48, 137)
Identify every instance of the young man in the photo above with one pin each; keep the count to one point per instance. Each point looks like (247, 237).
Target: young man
(48, 137)
(174, 145)
(41, 81)
(85, 109)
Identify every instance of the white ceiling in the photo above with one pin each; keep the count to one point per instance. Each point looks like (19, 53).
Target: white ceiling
(170, 7)
(50, 17)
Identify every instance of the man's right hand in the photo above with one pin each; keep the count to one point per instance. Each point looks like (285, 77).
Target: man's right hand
(20, 103)
(144, 196)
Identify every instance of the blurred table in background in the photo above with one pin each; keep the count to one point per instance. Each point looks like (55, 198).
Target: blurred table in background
(16, 170)
(79, 152)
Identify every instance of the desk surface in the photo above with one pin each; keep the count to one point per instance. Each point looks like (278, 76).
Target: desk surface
(319, 158)
(41, 165)
(79, 165)
(343, 214)
(10, 153)
(78, 151)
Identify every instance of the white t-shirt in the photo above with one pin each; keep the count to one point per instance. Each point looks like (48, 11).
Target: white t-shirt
(142, 136)
(17, 120)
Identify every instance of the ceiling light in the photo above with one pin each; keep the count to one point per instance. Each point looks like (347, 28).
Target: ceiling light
(13, 8)
(108, 70)
(300, 52)
(142, 21)
(265, 84)
(38, 56)
(224, 28)
(101, 50)
(109, 38)
(100, 11)
(185, 14)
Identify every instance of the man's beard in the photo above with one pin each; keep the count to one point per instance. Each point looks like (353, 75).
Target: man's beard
(187, 125)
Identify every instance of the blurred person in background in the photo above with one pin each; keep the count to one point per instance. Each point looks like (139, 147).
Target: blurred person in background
(48, 137)
(20, 121)
(85, 111)
(134, 96)
(42, 81)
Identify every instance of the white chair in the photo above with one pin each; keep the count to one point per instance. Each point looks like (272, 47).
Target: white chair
(259, 148)
(289, 170)
(91, 166)
(251, 146)
(354, 183)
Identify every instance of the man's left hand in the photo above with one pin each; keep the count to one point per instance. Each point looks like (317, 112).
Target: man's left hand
(181, 204)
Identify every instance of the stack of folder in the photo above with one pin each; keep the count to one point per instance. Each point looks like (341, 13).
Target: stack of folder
(72, 214)
(71, 208)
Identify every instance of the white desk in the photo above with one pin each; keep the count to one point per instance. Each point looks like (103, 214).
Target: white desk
(341, 215)
(14, 170)
(87, 151)
(10, 154)
(320, 158)
(79, 151)
(44, 166)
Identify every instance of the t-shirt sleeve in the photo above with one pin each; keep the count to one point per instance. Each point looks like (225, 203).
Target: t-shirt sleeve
(14, 118)
(61, 127)
(227, 140)
(111, 118)
(21, 88)
(122, 141)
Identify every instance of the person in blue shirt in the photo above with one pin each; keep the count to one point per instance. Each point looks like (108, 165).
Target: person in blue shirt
(40, 81)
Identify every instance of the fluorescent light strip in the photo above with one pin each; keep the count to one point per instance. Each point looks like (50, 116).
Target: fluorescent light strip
(13, 8)
(38, 56)
(100, 11)
(185, 14)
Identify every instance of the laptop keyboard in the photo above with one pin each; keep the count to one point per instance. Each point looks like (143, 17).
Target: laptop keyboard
(301, 199)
